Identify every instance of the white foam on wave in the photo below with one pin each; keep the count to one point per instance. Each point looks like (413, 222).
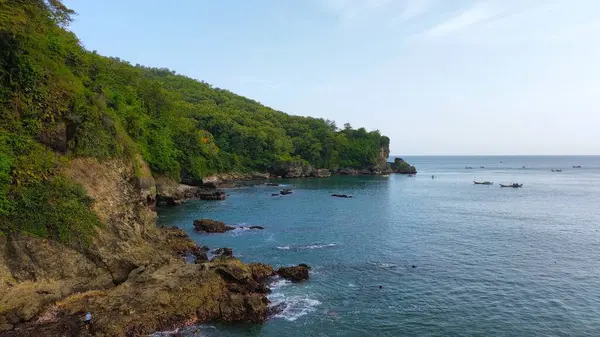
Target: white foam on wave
(385, 265)
(279, 283)
(293, 307)
(319, 246)
(314, 246)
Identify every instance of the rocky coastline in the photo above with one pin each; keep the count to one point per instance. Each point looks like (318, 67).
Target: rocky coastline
(134, 278)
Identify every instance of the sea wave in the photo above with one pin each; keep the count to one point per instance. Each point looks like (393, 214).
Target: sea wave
(279, 283)
(385, 265)
(313, 246)
(293, 307)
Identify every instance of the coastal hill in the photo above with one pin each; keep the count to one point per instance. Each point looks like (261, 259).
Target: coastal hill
(83, 140)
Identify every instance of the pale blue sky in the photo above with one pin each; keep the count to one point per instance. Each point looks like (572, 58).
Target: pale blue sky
(436, 76)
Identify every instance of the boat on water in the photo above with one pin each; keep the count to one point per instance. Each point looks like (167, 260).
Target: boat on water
(468, 168)
(515, 185)
(485, 182)
(576, 166)
(556, 170)
(286, 191)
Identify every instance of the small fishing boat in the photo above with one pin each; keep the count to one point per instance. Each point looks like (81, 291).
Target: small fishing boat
(556, 170)
(468, 168)
(481, 166)
(485, 182)
(272, 184)
(576, 166)
(515, 185)
(286, 191)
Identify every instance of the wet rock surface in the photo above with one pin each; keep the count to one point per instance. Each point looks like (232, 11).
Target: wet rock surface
(223, 252)
(295, 274)
(211, 226)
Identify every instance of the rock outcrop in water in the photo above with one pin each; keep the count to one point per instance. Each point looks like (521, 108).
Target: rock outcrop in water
(171, 193)
(295, 274)
(211, 226)
(402, 167)
(234, 179)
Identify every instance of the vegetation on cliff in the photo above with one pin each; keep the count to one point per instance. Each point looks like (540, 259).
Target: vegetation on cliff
(401, 166)
(59, 101)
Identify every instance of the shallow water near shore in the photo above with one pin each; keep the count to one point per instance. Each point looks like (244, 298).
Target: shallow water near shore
(487, 260)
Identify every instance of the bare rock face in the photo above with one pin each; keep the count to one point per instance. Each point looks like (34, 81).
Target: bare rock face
(292, 170)
(347, 171)
(233, 179)
(261, 271)
(223, 252)
(322, 173)
(171, 193)
(157, 298)
(131, 278)
(168, 192)
(211, 226)
(55, 137)
(179, 242)
(295, 274)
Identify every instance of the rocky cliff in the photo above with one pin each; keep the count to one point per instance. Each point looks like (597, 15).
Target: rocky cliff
(132, 276)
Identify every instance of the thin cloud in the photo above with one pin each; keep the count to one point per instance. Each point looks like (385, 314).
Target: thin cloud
(479, 12)
(415, 8)
(348, 10)
(496, 23)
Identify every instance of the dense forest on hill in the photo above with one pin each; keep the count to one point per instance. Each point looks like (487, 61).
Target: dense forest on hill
(59, 101)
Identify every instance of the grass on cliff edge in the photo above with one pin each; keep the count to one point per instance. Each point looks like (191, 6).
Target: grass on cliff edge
(36, 201)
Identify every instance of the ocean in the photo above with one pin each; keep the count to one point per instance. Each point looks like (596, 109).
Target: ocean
(416, 256)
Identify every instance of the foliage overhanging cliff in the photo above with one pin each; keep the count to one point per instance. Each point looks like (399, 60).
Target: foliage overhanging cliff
(59, 101)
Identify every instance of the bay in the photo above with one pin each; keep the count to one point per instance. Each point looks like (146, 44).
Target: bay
(423, 256)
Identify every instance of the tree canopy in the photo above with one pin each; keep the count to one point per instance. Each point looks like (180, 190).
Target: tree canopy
(59, 101)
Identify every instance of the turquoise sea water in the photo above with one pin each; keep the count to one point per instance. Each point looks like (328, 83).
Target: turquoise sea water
(489, 260)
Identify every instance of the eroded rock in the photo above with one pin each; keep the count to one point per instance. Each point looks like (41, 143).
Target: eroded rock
(295, 274)
(211, 226)
(223, 252)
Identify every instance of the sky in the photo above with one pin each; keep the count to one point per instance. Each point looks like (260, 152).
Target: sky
(439, 77)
